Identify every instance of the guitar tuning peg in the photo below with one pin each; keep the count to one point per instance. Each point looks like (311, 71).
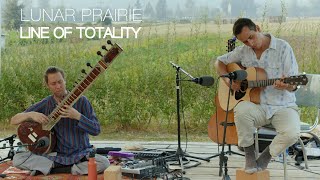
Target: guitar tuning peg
(104, 47)
(109, 42)
(83, 71)
(99, 53)
(89, 65)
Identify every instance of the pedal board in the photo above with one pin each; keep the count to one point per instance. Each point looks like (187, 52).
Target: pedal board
(144, 168)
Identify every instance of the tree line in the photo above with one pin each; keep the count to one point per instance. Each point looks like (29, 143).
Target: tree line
(185, 9)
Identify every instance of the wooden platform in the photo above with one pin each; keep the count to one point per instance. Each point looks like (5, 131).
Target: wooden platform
(210, 170)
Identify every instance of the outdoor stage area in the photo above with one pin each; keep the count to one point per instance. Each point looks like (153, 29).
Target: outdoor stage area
(210, 170)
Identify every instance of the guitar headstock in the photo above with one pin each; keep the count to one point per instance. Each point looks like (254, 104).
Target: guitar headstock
(297, 80)
(231, 44)
(111, 53)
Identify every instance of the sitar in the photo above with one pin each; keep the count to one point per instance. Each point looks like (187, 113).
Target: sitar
(31, 132)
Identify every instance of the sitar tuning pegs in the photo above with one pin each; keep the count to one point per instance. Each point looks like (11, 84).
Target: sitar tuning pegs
(109, 42)
(83, 71)
(99, 53)
(104, 47)
(89, 65)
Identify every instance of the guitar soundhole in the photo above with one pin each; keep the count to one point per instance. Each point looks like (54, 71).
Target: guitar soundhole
(243, 87)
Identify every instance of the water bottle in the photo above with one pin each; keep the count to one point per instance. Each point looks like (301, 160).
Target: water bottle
(280, 157)
(92, 166)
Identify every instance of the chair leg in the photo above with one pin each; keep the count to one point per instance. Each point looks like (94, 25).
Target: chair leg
(304, 153)
(256, 142)
(285, 165)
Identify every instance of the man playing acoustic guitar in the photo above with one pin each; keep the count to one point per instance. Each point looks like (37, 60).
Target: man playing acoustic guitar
(72, 148)
(277, 102)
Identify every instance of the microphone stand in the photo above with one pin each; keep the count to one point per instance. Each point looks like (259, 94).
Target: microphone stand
(180, 155)
(223, 159)
(11, 152)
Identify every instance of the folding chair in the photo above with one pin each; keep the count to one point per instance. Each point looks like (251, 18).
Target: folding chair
(308, 100)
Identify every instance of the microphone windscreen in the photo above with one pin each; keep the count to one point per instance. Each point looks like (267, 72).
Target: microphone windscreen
(206, 81)
(240, 75)
(44, 141)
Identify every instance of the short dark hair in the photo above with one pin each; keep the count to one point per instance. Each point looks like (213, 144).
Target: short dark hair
(52, 70)
(242, 22)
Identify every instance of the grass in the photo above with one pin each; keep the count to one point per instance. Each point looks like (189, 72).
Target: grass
(131, 135)
(135, 98)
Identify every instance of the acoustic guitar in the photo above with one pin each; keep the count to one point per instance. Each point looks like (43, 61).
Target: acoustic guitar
(251, 87)
(217, 120)
(32, 133)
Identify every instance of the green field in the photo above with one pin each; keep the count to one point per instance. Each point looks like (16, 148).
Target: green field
(137, 92)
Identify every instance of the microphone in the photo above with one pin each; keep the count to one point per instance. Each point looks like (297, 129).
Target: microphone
(236, 75)
(204, 80)
(43, 142)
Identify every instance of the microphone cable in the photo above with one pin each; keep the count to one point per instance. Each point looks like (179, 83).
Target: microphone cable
(28, 151)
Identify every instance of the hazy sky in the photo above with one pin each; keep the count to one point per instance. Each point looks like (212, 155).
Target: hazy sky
(171, 3)
(123, 3)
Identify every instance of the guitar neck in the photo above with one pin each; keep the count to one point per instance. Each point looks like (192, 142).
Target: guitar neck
(293, 80)
(81, 87)
(262, 83)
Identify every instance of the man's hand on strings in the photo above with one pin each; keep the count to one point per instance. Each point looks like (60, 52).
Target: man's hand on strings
(38, 117)
(69, 112)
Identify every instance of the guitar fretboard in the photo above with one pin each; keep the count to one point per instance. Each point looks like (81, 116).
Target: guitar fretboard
(261, 83)
(293, 80)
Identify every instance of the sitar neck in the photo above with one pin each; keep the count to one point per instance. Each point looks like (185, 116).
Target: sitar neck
(80, 88)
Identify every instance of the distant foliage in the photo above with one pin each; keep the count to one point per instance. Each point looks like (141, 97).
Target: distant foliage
(161, 9)
(246, 7)
(178, 12)
(44, 4)
(11, 15)
(189, 5)
(149, 11)
(105, 22)
(137, 5)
